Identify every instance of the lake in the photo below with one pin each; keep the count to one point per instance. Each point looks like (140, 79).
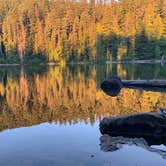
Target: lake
(49, 116)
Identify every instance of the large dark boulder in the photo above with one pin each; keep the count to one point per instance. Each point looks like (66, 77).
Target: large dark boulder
(147, 125)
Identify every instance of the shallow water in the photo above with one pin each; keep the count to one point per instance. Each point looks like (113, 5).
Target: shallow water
(50, 117)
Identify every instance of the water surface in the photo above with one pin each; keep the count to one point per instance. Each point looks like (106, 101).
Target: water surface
(50, 116)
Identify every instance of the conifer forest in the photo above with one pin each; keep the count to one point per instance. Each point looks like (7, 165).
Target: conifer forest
(68, 30)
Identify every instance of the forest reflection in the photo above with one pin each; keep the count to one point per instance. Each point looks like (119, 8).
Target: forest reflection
(71, 94)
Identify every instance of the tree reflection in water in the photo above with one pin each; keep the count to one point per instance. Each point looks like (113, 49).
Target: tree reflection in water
(68, 95)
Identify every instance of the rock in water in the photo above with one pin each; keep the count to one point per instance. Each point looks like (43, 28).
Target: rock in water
(152, 124)
(112, 86)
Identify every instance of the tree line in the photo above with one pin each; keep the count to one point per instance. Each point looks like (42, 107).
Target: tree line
(65, 30)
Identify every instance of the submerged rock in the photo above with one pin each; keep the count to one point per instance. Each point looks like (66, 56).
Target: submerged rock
(111, 144)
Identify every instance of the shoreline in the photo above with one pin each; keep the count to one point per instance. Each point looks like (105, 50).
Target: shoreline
(138, 61)
(90, 63)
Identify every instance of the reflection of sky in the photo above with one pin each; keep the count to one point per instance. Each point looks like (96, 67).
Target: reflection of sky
(65, 145)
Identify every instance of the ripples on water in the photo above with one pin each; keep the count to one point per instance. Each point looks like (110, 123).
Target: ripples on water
(53, 115)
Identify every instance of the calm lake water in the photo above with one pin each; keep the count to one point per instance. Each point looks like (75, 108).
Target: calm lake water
(49, 116)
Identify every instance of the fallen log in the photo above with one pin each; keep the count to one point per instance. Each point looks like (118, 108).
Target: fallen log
(112, 85)
(150, 126)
